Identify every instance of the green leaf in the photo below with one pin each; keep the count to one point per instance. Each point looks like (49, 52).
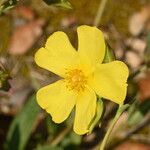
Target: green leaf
(72, 139)
(51, 2)
(109, 55)
(49, 147)
(59, 3)
(7, 5)
(75, 139)
(21, 127)
(137, 112)
(51, 126)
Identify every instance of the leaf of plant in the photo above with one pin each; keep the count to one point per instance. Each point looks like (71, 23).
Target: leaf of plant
(49, 147)
(140, 110)
(51, 126)
(21, 127)
(71, 139)
(51, 2)
(7, 5)
(59, 3)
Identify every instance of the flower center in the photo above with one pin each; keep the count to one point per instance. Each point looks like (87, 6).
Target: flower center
(76, 80)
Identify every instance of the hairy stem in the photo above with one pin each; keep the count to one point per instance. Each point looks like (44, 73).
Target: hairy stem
(120, 110)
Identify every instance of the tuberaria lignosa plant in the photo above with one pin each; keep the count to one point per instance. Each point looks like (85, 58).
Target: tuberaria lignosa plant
(84, 76)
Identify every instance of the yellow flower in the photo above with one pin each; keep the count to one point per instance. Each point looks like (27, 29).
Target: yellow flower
(83, 76)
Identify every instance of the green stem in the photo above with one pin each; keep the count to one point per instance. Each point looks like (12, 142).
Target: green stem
(100, 11)
(120, 110)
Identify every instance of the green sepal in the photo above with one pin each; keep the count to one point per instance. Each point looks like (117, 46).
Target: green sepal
(98, 115)
(109, 54)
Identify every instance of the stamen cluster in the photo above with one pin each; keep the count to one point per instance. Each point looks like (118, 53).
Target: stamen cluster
(76, 80)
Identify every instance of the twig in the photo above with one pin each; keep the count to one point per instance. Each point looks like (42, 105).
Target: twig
(125, 135)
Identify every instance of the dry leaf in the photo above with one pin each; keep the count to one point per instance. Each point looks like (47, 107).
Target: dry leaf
(133, 59)
(138, 21)
(144, 87)
(24, 37)
(132, 146)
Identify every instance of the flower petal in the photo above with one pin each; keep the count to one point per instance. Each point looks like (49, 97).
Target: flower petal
(57, 100)
(109, 81)
(85, 111)
(58, 55)
(91, 45)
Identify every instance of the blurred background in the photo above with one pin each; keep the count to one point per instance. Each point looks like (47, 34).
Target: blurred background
(24, 28)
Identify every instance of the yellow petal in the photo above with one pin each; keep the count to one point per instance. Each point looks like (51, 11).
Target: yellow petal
(91, 45)
(58, 55)
(85, 111)
(57, 100)
(109, 81)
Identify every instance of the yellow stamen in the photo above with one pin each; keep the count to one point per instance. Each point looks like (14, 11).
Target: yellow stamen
(76, 80)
